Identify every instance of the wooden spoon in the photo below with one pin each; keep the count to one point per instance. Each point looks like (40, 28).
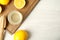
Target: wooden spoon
(2, 18)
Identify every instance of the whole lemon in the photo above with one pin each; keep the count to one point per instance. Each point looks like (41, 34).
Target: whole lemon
(21, 35)
(4, 2)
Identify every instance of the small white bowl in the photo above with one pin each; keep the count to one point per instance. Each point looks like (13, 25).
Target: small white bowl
(15, 17)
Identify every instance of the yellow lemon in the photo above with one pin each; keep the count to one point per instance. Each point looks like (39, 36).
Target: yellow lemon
(4, 2)
(19, 3)
(0, 9)
(20, 35)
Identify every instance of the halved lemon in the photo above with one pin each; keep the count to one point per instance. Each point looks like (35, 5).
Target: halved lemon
(19, 3)
(0, 9)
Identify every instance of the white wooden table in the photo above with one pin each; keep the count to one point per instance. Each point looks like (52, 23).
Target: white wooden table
(43, 23)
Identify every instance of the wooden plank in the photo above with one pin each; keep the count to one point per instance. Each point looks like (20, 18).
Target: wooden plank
(30, 4)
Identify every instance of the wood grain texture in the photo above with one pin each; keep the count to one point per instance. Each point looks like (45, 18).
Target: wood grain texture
(30, 4)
